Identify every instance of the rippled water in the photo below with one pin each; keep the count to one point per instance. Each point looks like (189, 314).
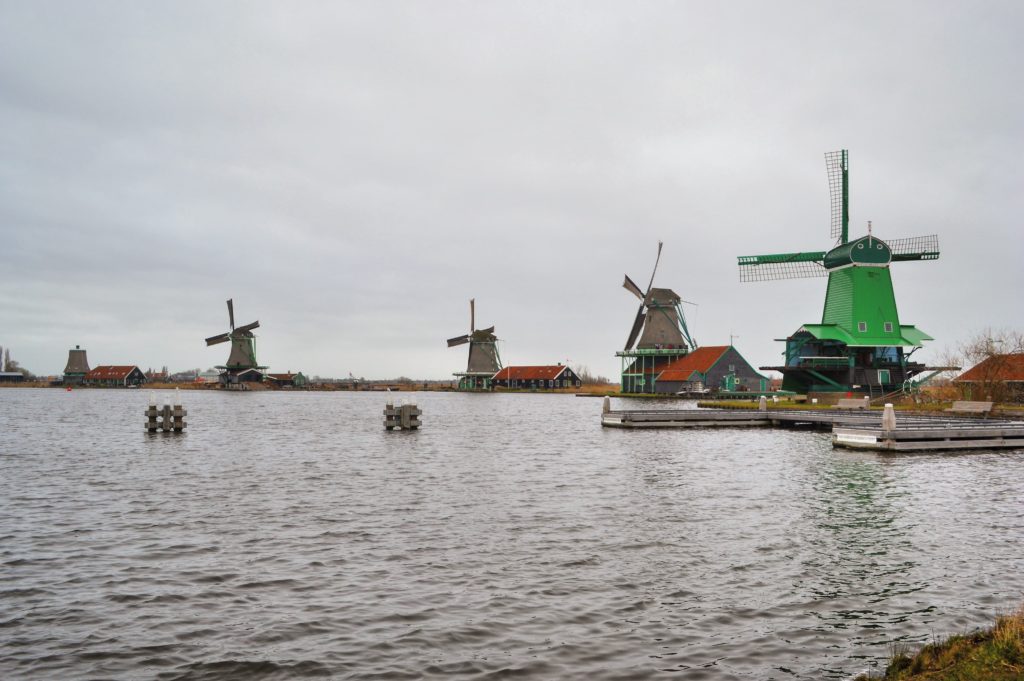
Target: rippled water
(287, 535)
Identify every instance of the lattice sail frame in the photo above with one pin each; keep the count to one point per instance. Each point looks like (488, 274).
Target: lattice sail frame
(774, 267)
(916, 247)
(837, 165)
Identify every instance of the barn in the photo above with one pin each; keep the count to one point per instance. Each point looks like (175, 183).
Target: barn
(115, 376)
(536, 378)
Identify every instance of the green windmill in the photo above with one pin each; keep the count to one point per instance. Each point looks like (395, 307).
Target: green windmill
(860, 346)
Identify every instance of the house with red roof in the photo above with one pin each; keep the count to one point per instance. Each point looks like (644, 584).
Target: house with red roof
(115, 376)
(536, 378)
(999, 378)
(712, 368)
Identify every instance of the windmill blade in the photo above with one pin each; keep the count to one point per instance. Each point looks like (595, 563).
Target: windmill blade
(222, 338)
(837, 166)
(915, 248)
(782, 266)
(656, 261)
(637, 325)
(632, 288)
(472, 315)
(231, 313)
(248, 327)
(489, 331)
(458, 340)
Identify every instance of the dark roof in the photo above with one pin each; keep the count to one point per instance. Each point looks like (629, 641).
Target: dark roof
(282, 377)
(996, 368)
(700, 360)
(543, 373)
(110, 373)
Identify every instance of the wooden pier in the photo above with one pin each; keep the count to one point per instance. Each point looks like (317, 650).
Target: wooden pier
(853, 429)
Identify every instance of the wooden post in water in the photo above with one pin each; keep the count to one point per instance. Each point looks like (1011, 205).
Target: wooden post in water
(151, 422)
(607, 406)
(405, 416)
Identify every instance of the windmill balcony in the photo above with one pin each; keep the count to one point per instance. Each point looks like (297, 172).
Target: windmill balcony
(821, 362)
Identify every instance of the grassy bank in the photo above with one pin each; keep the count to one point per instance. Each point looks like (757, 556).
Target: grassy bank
(995, 654)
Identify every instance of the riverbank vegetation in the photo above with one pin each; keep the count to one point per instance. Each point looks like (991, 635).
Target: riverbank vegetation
(995, 654)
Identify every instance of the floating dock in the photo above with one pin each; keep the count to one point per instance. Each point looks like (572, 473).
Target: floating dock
(854, 429)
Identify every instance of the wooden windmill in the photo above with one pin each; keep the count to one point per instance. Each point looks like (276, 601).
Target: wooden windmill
(484, 360)
(241, 366)
(663, 335)
(860, 345)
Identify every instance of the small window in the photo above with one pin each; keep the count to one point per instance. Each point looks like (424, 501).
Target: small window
(862, 327)
(732, 367)
(888, 327)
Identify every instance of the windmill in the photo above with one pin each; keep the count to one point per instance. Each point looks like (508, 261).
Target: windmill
(860, 344)
(661, 328)
(484, 360)
(241, 366)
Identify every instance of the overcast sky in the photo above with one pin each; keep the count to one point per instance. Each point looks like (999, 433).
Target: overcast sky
(352, 173)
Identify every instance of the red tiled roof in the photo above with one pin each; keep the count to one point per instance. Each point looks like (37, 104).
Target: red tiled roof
(529, 373)
(996, 368)
(699, 360)
(109, 373)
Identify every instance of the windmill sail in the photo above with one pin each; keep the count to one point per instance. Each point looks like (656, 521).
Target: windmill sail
(915, 248)
(632, 288)
(782, 266)
(458, 340)
(837, 165)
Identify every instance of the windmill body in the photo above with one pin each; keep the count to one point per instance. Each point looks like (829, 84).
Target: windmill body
(484, 361)
(241, 366)
(860, 345)
(659, 335)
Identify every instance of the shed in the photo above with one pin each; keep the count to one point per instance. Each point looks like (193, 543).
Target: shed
(288, 380)
(11, 377)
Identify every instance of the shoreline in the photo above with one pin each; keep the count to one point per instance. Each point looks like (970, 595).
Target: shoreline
(992, 654)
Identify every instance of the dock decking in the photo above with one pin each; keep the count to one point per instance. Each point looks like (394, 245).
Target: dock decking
(850, 429)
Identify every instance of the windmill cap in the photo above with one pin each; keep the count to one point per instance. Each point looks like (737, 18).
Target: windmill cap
(867, 250)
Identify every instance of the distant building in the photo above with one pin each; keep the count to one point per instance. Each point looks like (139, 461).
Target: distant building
(77, 366)
(712, 368)
(208, 376)
(11, 377)
(288, 380)
(998, 378)
(111, 376)
(536, 377)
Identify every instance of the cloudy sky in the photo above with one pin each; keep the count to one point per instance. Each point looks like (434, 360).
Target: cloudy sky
(352, 173)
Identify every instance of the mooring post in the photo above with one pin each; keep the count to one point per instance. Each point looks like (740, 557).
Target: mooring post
(889, 418)
(762, 404)
(606, 408)
(150, 412)
(177, 413)
(867, 401)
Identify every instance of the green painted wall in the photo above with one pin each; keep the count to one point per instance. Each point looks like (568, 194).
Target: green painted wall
(862, 294)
